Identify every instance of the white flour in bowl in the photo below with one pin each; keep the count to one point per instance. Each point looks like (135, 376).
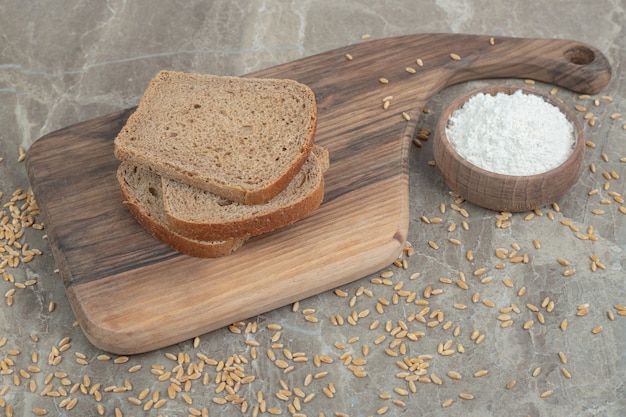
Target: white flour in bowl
(511, 134)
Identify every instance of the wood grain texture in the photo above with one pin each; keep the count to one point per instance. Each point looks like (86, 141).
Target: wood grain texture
(132, 294)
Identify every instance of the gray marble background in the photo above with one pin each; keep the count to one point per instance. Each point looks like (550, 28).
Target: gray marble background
(62, 62)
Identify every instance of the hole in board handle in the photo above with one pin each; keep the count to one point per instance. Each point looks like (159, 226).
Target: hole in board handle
(580, 55)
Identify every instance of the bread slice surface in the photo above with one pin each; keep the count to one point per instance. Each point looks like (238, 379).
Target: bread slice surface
(203, 215)
(143, 196)
(243, 139)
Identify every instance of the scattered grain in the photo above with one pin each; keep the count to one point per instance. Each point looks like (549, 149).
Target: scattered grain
(21, 154)
(454, 375)
(488, 303)
(569, 272)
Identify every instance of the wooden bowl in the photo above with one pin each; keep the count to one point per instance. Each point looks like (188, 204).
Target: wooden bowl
(502, 192)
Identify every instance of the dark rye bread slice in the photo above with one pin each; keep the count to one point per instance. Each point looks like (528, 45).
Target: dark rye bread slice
(202, 215)
(142, 192)
(241, 138)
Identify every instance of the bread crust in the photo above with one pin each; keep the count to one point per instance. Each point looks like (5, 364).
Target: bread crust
(268, 193)
(259, 223)
(191, 247)
(252, 226)
(135, 131)
(158, 230)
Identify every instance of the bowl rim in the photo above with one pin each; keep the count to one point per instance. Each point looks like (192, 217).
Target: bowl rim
(492, 89)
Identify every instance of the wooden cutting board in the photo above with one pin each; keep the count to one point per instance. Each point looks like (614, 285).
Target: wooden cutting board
(132, 294)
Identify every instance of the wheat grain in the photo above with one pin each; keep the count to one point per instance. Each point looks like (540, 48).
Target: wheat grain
(454, 375)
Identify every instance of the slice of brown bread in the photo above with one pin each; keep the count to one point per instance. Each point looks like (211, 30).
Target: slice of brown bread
(241, 138)
(202, 215)
(142, 192)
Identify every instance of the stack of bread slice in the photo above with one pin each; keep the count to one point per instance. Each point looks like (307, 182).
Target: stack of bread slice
(208, 161)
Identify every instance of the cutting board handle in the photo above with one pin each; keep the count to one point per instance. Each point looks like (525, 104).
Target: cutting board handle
(571, 64)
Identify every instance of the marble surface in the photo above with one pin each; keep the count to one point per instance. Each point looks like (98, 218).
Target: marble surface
(63, 62)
